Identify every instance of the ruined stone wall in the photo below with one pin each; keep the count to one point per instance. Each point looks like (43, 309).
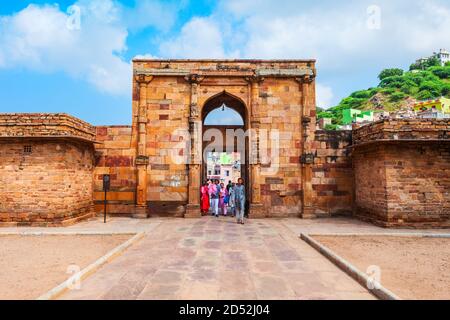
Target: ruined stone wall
(115, 156)
(46, 166)
(332, 179)
(402, 173)
(51, 185)
(44, 125)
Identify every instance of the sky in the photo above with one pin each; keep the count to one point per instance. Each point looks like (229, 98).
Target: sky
(75, 56)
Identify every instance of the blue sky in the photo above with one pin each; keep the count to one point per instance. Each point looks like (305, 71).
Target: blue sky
(51, 63)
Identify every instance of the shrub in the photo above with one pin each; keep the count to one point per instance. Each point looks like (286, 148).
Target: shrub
(390, 73)
(441, 72)
(425, 95)
(397, 96)
(331, 127)
(433, 87)
(445, 91)
(362, 94)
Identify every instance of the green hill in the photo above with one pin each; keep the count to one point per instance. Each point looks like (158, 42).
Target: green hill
(396, 91)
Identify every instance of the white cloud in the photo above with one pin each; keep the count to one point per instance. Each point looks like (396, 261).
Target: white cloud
(324, 96)
(38, 38)
(349, 54)
(336, 33)
(199, 38)
(145, 56)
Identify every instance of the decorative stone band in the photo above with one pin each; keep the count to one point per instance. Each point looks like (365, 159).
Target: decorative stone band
(280, 73)
(402, 130)
(45, 125)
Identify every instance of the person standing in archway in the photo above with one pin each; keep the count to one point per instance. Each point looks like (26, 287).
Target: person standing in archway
(214, 192)
(222, 199)
(239, 196)
(205, 198)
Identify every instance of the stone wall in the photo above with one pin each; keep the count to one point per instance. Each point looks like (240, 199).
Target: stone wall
(52, 185)
(115, 156)
(281, 174)
(402, 173)
(332, 173)
(46, 167)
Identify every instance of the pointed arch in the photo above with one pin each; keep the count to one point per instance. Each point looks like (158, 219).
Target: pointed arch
(230, 100)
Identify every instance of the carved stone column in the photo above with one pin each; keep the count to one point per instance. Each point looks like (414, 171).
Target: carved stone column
(307, 137)
(256, 207)
(142, 158)
(195, 163)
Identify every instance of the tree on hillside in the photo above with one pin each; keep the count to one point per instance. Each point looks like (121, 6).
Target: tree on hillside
(390, 73)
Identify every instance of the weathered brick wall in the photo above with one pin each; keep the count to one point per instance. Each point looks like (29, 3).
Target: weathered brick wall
(50, 186)
(332, 173)
(402, 173)
(370, 183)
(46, 166)
(115, 156)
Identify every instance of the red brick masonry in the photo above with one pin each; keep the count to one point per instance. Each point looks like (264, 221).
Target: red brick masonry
(402, 173)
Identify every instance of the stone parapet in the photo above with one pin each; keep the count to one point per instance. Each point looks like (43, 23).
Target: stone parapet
(402, 130)
(44, 125)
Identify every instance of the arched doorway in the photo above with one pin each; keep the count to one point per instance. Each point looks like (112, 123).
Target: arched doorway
(225, 141)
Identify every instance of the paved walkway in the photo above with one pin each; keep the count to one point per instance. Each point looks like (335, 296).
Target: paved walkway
(213, 258)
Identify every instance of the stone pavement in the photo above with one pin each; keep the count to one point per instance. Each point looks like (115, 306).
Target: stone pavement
(213, 258)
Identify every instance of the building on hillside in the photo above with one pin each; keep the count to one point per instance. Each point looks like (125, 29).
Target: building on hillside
(443, 56)
(440, 107)
(432, 114)
(380, 115)
(323, 122)
(350, 116)
(403, 114)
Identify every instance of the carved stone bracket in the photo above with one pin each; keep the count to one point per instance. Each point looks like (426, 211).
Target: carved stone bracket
(143, 79)
(305, 79)
(254, 79)
(307, 158)
(142, 160)
(194, 78)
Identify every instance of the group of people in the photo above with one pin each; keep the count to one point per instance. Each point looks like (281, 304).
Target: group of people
(218, 197)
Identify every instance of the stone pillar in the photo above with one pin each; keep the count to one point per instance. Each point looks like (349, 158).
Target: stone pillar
(307, 138)
(142, 158)
(256, 207)
(195, 159)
